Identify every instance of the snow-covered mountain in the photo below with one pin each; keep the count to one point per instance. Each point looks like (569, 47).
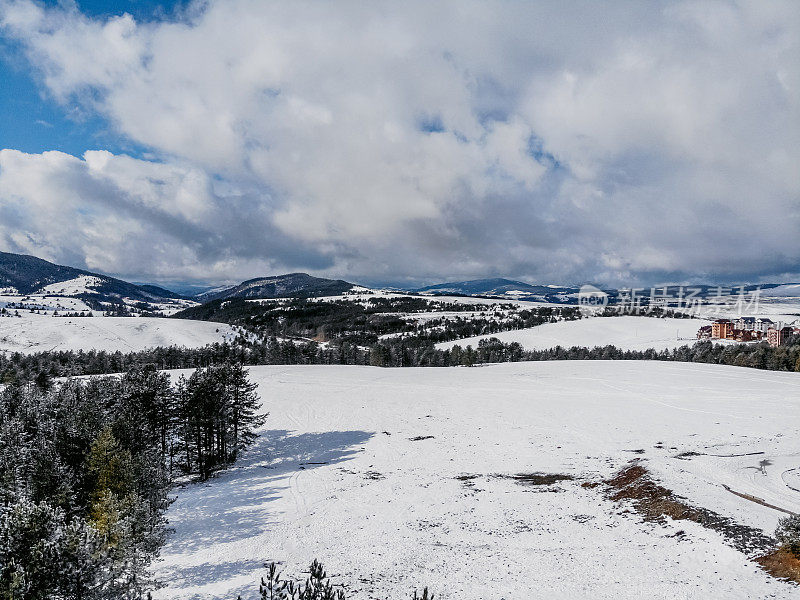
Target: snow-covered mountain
(296, 285)
(25, 275)
(498, 287)
(509, 288)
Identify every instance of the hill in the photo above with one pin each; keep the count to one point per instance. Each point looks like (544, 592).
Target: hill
(291, 285)
(32, 333)
(499, 287)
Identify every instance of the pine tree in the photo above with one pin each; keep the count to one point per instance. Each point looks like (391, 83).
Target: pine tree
(788, 533)
(244, 404)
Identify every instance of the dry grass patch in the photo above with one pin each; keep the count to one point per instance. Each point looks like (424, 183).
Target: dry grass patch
(536, 478)
(655, 502)
(781, 563)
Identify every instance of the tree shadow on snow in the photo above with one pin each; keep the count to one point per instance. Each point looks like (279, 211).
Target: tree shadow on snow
(199, 575)
(235, 505)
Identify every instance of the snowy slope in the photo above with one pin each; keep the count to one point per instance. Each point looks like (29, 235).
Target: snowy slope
(335, 475)
(787, 290)
(42, 302)
(628, 333)
(36, 333)
(85, 284)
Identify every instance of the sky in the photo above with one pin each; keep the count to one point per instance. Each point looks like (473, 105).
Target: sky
(620, 143)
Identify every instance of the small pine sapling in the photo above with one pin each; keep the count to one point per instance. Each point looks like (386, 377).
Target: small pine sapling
(273, 588)
(425, 595)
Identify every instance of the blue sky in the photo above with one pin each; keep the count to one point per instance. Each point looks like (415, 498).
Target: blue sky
(409, 142)
(33, 122)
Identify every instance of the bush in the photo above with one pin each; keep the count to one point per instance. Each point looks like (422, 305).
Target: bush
(316, 586)
(788, 533)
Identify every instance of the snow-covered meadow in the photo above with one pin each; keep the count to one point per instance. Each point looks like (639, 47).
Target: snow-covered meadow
(397, 478)
(626, 333)
(31, 332)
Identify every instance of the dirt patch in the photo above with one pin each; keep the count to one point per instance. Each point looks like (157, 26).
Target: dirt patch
(655, 502)
(781, 563)
(468, 480)
(373, 475)
(536, 478)
(419, 438)
(689, 454)
(582, 518)
(735, 455)
(526, 479)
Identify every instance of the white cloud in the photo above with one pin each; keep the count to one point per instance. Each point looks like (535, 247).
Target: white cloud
(394, 140)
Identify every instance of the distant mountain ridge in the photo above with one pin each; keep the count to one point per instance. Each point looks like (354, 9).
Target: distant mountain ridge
(498, 287)
(291, 285)
(26, 275)
(29, 274)
(501, 287)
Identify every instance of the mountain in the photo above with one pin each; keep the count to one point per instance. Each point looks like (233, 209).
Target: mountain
(784, 290)
(292, 285)
(497, 287)
(26, 275)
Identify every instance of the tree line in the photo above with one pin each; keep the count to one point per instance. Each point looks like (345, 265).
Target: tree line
(412, 351)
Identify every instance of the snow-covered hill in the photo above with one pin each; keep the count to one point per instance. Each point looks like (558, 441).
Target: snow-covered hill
(627, 333)
(83, 284)
(503, 288)
(397, 478)
(786, 290)
(297, 285)
(31, 333)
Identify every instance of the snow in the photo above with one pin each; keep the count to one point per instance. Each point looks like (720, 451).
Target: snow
(31, 333)
(386, 514)
(778, 308)
(52, 303)
(60, 297)
(84, 284)
(788, 290)
(627, 333)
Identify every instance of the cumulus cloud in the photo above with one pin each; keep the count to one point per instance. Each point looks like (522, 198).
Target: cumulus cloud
(615, 143)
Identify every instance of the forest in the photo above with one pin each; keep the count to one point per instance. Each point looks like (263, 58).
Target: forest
(87, 466)
(412, 351)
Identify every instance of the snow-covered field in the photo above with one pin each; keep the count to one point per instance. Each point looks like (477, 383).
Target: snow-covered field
(336, 474)
(774, 304)
(31, 333)
(627, 333)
